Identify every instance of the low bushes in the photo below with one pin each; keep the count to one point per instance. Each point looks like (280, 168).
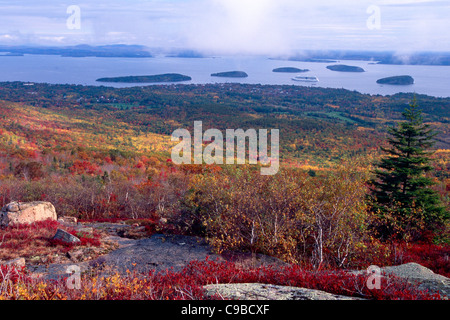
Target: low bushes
(102, 197)
(302, 219)
(187, 284)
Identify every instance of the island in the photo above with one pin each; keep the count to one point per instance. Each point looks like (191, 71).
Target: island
(167, 77)
(397, 80)
(345, 68)
(230, 74)
(289, 70)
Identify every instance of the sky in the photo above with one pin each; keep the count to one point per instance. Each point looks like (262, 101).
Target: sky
(231, 26)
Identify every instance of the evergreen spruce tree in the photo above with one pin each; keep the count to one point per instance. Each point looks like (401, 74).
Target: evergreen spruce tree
(402, 199)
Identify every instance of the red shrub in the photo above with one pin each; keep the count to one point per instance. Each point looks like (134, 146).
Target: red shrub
(199, 273)
(434, 257)
(187, 283)
(11, 273)
(81, 167)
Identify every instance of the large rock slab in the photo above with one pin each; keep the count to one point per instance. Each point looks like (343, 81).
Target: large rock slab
(157, 253)
(26, 212)
(418, 276)
(424, 278)
(259, 291)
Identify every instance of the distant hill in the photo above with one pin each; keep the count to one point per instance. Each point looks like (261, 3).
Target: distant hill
(167, 77)
(83, 50)
(345, 68)
(230, 74)
(397, 80)
(310, 59)
(381, 57)
(289, 70)
(186, 54)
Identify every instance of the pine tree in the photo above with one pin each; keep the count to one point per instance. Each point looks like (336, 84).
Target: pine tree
(402, 199)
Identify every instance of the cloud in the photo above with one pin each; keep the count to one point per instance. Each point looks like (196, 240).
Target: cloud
(244, 26)
(232, 26)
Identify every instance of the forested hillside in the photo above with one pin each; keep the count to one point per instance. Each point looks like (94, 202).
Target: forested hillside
(102, 153)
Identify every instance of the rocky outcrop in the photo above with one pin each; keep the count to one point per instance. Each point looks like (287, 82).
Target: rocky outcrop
(424, 278)
(259, 291)
(26, 212)
(419, 276)
(160, 252)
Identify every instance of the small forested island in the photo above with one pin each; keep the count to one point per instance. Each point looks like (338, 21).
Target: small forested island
(167, 77)
(230, 74)
(397, 80)
(289, 70)
(345, 68)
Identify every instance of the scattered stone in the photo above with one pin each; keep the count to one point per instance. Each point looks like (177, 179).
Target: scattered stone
(163, 220)
(26, 212)
(76, 255)
(134, 232)
(65, 237)
(67, 220)
(259, 291)
(35, 259)
(18, 262)
(86, 230)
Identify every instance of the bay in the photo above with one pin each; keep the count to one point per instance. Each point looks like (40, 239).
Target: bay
(429, 80)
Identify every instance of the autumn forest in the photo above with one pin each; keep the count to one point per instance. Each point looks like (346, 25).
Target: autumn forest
(103, 154)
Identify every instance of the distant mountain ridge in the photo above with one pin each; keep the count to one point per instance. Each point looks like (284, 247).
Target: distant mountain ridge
(380, 57)
(83, 50)
(141, 51)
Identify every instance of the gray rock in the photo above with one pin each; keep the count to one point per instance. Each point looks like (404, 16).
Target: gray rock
(424, 278)
(413, 271)
(418, 276)
(159, 252)
(18, 262)
(259, 291)
(26, 212)
(85, 229)
(67, 220)
(11, 207)
(65, 237)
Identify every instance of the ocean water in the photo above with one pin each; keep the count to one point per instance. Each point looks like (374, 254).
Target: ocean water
(430, 80)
